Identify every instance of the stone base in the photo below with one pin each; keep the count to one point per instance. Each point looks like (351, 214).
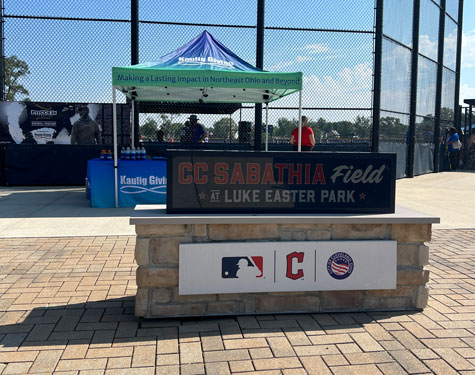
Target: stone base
(157, 275)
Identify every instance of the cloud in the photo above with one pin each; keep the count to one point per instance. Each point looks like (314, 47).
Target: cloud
(348, 88)
(314, 48)
(303, 58)
(450, 49)
(333, 57)
(286, 64)
(468, 49)
(428, 47)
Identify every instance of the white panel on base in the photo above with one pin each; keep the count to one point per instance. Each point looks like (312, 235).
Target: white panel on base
(246, 267)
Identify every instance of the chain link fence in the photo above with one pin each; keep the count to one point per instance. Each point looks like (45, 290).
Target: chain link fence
(434, 90)
(70, 49)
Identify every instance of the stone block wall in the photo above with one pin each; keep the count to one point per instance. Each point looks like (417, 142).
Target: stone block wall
(156, 254)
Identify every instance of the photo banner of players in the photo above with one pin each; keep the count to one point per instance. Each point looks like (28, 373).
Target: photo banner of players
(52, 123)
(280, 182)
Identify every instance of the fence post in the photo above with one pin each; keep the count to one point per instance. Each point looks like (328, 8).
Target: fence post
(413, 105)
(259, 64)
(2, 54)
(134, 59)
(458, 61)
(438, 93)
(470, 119)
(378, 56)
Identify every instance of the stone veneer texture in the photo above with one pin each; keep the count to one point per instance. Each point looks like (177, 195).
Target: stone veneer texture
(156, 254)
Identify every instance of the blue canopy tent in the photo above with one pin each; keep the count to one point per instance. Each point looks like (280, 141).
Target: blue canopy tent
(203, 71)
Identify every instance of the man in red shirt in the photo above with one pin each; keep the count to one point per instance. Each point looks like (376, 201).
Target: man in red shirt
(308, 139)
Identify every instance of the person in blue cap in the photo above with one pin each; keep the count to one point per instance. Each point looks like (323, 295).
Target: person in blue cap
(454, 146)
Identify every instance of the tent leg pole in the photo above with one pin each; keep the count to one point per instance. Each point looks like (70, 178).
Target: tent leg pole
(300, 122)
(132, 125)
(114, 121)
(267, 127)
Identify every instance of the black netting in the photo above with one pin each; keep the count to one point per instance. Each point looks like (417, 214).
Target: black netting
(393, 127)
(397, 21)
(426, 87)
(396, 77)
(104, 9)
(337, 67)
(342, 14)
(71, 60)
(424, 129)
(176, 128)
(448, 94)
(452, 8)
(429, 29)
(450, 43)
(329, 126)
(241, 12)
(68, 60)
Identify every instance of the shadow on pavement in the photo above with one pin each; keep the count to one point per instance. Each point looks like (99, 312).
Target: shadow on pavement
(45, 202)
(113, 322)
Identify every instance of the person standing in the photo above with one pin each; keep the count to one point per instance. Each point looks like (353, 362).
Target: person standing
(85, 130)
(185, 132)
(454, 149)
(160, 135)
(469, 161)
(308, 138)
(196, 130)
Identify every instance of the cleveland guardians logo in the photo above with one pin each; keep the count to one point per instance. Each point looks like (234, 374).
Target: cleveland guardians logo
(242, 267)
(340, 266)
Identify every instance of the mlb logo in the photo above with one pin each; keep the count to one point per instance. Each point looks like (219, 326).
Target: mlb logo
(242, 267)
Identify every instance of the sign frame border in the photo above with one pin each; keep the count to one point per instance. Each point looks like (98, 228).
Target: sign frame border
(280, 210)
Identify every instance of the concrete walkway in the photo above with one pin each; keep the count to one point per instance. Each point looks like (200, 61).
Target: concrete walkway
(57, 211)
(448, 195)
(67, 285)
(66, 307)
(50, 212)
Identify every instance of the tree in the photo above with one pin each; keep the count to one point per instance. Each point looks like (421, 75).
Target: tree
(317, 127)
(345, 129)
(363, 127)
(225, 127)
(285, 127)
(149, 129)
(447, 114)
(391, 129)
(15, 69)
(171, 130)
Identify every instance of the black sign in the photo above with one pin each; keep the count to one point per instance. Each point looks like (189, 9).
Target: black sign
(280, 182)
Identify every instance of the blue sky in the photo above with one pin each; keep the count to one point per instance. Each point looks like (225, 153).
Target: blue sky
(71, 61)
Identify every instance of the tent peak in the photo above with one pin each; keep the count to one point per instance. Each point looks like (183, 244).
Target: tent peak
(204, 52)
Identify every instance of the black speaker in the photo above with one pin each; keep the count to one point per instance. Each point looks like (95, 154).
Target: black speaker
(244, 131)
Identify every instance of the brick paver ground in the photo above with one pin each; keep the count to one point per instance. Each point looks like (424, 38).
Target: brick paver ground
(66, 307)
